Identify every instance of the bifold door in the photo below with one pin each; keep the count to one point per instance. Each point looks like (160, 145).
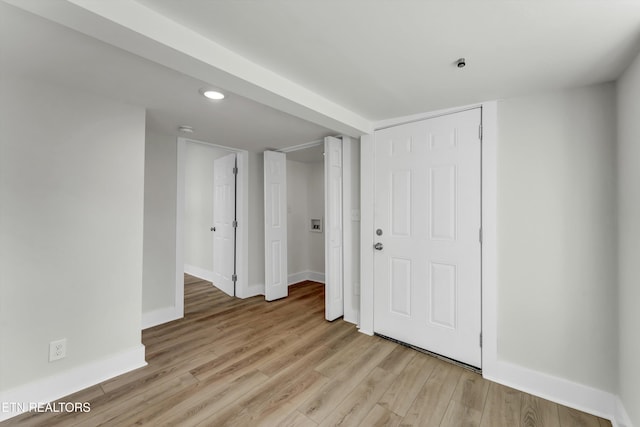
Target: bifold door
(275, 225)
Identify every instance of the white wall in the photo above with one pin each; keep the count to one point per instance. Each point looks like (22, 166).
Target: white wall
(305, 199)
(315, 191)
(71, 221)
(629, 238)
(297, 217)
(159, 260)
(557, 270)
(198, 213)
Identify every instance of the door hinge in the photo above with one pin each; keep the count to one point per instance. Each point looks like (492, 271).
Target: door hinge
(480, 132)
(480, 235)
(480, 339)
(234, 277)
(235, 170)
(234, 223)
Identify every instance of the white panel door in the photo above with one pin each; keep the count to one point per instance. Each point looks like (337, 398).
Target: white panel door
(275, 225)
(334, 289)
(427, 284)
(224, 216)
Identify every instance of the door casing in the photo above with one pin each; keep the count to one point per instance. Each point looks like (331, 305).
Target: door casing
(242, 238)
(489, 232)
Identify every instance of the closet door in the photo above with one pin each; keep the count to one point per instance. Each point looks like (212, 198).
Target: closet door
(275, 225)
(334, 286)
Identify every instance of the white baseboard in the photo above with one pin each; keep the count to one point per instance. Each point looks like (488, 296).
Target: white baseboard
(578, 396)
(316, 277)
(198, 272)
(63, 384)
(350, 317)
(621, 417)
(160, 316)
(252, 290)
(305, 275)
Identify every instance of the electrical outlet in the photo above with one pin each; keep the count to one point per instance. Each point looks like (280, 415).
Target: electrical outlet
(57, 349)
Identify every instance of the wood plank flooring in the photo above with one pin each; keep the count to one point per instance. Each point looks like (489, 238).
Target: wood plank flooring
(233, 362)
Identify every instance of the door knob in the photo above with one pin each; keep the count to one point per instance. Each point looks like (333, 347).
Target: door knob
(378, 246)
(213, 229)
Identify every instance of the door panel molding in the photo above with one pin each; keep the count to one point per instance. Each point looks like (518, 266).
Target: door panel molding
(427, 203)
(333, 208)
(275, 225)
(489, 209)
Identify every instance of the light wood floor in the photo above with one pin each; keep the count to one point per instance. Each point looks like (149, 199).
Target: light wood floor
(234, 362)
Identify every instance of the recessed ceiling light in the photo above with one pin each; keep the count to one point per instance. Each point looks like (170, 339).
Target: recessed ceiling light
(185, 129)
(212, 94)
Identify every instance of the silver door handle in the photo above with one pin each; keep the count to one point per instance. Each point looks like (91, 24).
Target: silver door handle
(378, 246)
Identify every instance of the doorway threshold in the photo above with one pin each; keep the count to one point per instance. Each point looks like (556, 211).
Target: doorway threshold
(431, 353)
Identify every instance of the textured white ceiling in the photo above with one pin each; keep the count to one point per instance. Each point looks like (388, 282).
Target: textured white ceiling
(341, 63)
(383, 59)
(35, 47)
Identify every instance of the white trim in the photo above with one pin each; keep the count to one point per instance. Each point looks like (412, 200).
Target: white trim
(301, 146)
(302, 276)
(489, 236)
(397, 121)
(315, 276)
(561, 391)
(52, 388)
(242, 232)
(621, 418)
(160, 316)
(366, 233)
(242, 237)
(489, 197)
(298, 277)
(198, 272)
(254, 290)
(489, 213)
(178, 299)
(350, 313)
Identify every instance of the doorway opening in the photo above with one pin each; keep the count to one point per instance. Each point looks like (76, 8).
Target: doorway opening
(212, 196)
(204, 216)
(305, 215)
(329, 182)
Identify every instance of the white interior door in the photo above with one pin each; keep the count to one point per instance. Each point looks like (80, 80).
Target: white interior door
(224, 216)
(427, 286)
(275, 225)
(334, 269)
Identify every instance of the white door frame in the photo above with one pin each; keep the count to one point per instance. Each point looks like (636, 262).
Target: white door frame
(489, 234)
(242, 206)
